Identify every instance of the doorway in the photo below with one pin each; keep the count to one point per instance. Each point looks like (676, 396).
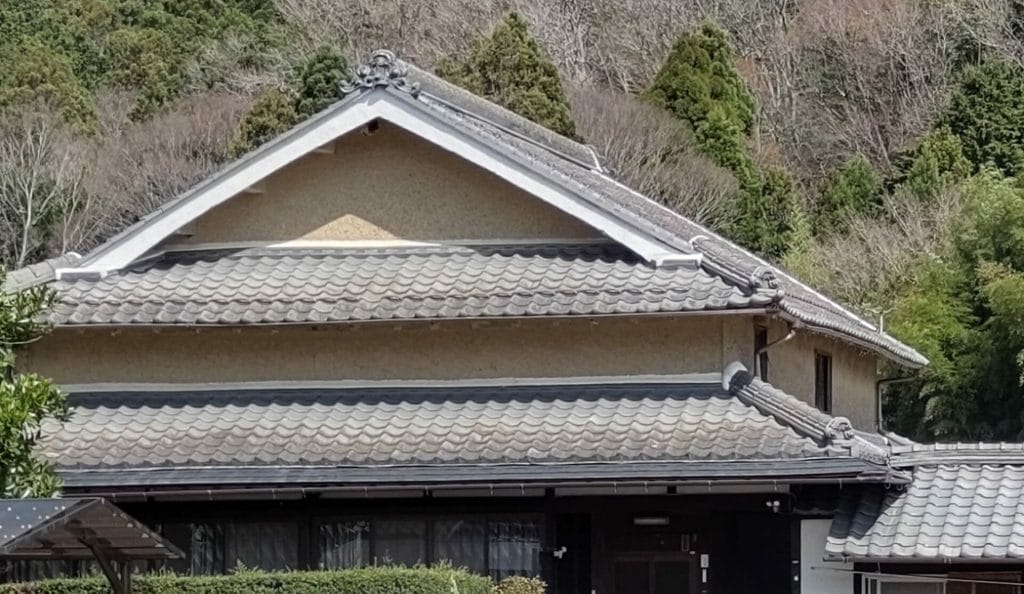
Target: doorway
(654, 573)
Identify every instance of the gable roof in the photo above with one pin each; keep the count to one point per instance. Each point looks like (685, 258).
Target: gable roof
(451, 432)
(557, 170)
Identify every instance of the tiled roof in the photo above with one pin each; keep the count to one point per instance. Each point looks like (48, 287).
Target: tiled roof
(721, 256)
(572, 166)
(315, 286)
(949, 512)
(701, 429)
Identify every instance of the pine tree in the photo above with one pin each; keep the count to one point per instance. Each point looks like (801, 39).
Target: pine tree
(509, 68)
(316, 85)
(699, 84)
(986, 112)
(850, 190)
(319, 78)
(271, 115)
(771, 218)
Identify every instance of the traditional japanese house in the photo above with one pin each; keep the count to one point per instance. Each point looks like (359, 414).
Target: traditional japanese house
(419, 328)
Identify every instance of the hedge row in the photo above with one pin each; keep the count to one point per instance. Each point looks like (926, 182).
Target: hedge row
(370, 580)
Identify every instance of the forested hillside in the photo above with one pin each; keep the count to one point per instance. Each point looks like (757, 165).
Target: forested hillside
(873, 147)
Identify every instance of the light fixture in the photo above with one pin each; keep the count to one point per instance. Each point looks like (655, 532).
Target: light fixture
(651, 521)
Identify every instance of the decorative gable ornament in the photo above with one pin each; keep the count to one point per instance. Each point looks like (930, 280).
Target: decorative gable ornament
(382, 70)
(763, 277)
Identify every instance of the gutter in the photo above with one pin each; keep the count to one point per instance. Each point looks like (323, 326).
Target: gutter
(427, 488)
(792, 327)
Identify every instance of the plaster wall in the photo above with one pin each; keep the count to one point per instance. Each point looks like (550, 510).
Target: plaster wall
(386, 185)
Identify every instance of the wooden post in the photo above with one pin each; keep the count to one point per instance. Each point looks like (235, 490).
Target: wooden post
(120, 584)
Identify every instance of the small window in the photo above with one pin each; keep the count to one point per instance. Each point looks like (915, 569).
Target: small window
(760, 342)
(903, 585)
(823, 381)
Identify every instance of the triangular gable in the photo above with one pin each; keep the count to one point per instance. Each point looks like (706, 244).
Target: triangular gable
(384, 94)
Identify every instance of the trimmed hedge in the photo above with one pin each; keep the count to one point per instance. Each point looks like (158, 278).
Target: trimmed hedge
(520, 585)
(370, 580)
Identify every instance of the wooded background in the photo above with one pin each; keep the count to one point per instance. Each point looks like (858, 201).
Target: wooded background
(872, 147)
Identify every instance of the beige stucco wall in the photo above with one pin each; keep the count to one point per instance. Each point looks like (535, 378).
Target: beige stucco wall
(791, 368)
(381, 186)
(449, 350)
(457, 350)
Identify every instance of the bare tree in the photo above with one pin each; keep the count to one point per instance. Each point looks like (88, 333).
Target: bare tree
(653, 152)
(880, 255)
(39, 182)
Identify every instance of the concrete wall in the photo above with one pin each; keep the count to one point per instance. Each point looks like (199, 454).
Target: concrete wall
(791, 368)
(450, 350)
(385, 185)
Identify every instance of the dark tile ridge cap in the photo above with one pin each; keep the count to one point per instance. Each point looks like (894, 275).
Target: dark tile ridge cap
(802, 417)
(469, 104)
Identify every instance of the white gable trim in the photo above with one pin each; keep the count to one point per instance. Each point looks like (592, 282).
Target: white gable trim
(347, 116)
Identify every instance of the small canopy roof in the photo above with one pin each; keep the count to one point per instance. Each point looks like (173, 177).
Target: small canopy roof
(84, 528)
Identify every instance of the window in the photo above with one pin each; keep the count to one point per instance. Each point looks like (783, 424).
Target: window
(499, 547)
(344, 544)
(219, 547)
(400, 542)
(463, 542)
(823, 381)
(760, 342)
(514, 548)
(903, 585)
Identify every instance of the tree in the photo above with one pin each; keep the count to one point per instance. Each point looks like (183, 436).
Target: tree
(851, 190)
(319, 79)
(967, 316)
(317, 85)
(271, 115)
(771, 219)
(39, 184)
(26, 400)
(509, 68)
(700, 85)
(986, 111)
(937, 162)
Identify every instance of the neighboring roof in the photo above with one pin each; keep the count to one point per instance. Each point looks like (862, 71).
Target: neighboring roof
(556, 169)
(67, 528)
(336, 285)
(37, 274)
(914, 454)
(949, 513)
(444, 433)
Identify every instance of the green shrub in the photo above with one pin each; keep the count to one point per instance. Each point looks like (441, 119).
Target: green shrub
(370, 580)
(520, 585)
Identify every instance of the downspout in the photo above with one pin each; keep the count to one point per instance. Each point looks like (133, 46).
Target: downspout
(879, 422)
(757, 354)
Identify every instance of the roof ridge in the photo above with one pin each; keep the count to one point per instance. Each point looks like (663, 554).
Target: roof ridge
(801, 416)
(436, 87)
(36, 274)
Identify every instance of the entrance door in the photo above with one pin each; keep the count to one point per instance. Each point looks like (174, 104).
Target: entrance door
(654, 574)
